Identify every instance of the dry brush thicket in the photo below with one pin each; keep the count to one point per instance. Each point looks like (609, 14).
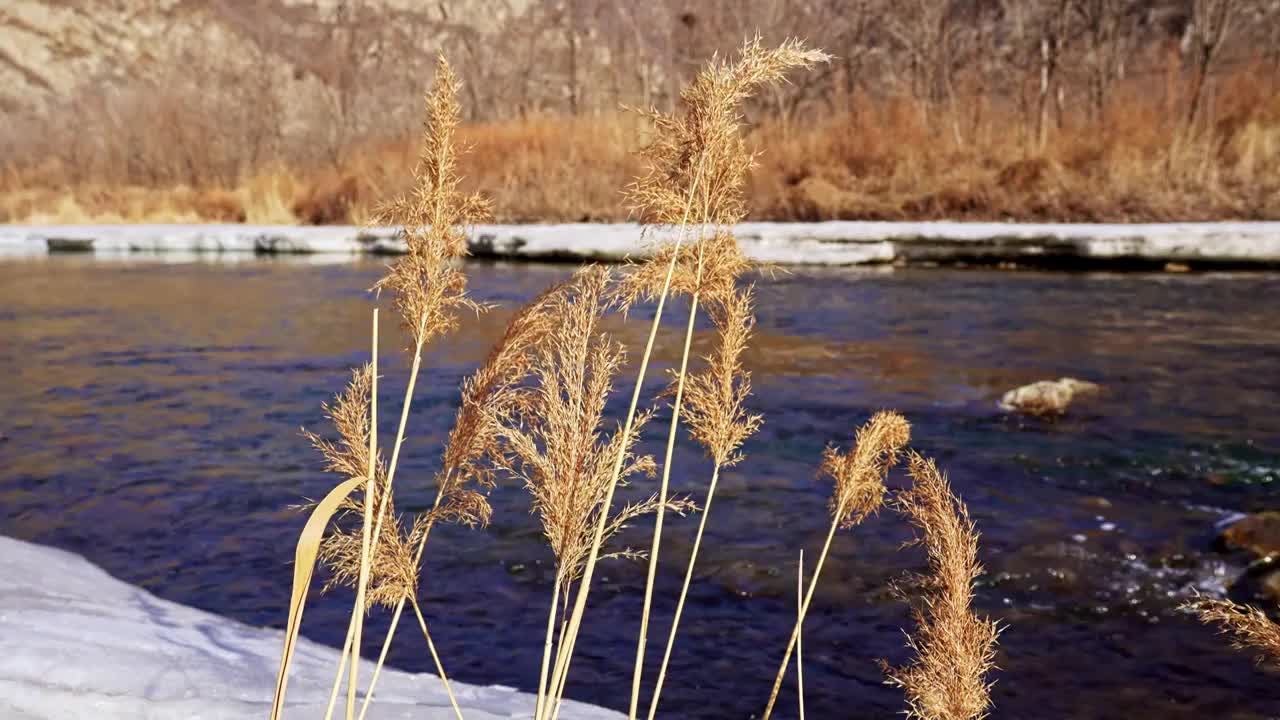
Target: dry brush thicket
(535, 414)
(1034, 109)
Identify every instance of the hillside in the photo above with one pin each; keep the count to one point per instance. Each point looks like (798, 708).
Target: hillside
(285, 110)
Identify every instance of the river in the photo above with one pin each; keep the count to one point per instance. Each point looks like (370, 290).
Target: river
(151, 417)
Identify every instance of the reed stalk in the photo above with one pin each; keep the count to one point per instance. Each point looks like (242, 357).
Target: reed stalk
(382, 659)
(662, 496)
(717, 419)
(435, 657)
(358, 609)
(342, 671)
(684, 591)
(400, 431)
(353, 643)
(800, 636)
(546, 651)
(804, 610)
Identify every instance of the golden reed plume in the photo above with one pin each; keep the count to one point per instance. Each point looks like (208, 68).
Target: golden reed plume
(1248, 626)
(859, 474)
(430, 289)
(428, 285)
(955, 649)
(859, 477)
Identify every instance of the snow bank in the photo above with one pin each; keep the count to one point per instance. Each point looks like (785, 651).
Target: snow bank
(828, 243)
(77, 643)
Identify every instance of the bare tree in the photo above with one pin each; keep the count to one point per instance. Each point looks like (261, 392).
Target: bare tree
(1211, 21)
(1108, 35)
(1053, 25)
(928, 34)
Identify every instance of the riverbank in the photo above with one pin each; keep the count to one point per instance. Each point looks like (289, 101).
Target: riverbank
(1173, 246)
(76, 642)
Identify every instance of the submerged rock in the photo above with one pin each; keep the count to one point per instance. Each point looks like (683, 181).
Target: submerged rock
(1046, 397)
(1259, 534)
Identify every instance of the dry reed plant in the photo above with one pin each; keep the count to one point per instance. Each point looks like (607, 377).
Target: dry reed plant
(534, 411)
(955, 649)
(381, 558)
(429, 290)
(554, 444)
(1248, 626)
(696, 167)
(859, 477)
(689, 151)
(428, 285)
(488, 397)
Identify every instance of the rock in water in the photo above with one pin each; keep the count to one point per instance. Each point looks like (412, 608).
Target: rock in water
(1259, 534)
(1047, 397)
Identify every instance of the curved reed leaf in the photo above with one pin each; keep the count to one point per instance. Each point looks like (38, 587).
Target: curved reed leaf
(303, 568)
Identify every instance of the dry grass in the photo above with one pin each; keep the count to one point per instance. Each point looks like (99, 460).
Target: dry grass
(879, 160)
(1249, 627)
(955, 649)
(535, 412)
(380, 558)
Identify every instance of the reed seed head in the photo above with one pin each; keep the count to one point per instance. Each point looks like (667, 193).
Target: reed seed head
(715, 397)
(393, 570)
(1248, 626)
(696, 159)
(349, 413)
(488, 398)
(553, 438)
(696, 163)
(859, 475)
(708, 267)
(955, 649)
(429, 287)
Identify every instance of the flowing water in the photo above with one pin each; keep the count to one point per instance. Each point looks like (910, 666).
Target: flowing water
(151, 414)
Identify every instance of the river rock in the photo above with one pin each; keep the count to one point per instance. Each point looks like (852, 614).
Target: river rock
(1046, 397)
(1259, 534)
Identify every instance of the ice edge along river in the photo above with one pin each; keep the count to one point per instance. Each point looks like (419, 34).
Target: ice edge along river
(78, 643)
(1241, 244)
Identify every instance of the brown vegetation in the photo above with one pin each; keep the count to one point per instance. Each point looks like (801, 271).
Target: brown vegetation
(1038, 110)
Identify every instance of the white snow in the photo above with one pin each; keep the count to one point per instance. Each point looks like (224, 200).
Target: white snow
(826, 243)
(77, 643)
